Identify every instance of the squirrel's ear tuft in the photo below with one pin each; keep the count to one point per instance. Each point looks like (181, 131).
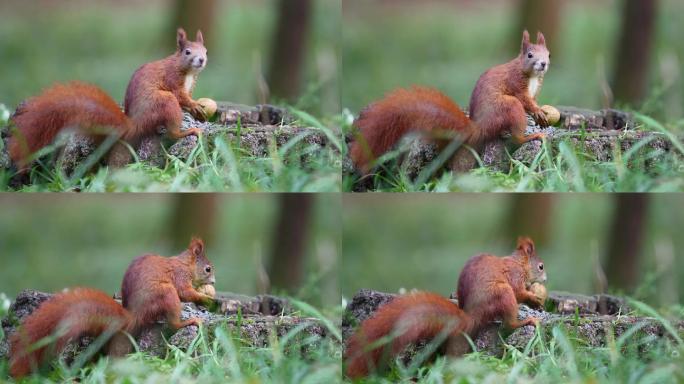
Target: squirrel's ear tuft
(540, 39)
(196, 247)
(525, 246)
(199, 38)
(181, 38)
(525, 40)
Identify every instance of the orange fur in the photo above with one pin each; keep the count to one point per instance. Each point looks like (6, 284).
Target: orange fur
(156, 94)
(506, 282)
(73, 105)
(155, 98)
(498, 104)
(489, 288)
(154, 286)
(79, 312)
(152, 289)
(409, 319)
(418, 109)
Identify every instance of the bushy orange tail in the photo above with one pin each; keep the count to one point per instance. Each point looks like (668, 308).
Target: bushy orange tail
(73, 105)
(406, 320)
(418, 109)
(66, 316)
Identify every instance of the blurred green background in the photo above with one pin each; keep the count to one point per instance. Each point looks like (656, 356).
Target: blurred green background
(48, 242)
(105, 41)
(449, 44)
(418, 241)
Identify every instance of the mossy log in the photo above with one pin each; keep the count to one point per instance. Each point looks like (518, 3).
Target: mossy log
(593, 320)
(256, 320)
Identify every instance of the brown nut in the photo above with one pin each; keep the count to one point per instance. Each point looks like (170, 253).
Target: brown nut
(552, 114)
(207, 289)
(539, 290)
(209, 106)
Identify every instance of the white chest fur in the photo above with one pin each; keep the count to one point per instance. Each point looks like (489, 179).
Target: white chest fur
(533, 88)
(189, 82)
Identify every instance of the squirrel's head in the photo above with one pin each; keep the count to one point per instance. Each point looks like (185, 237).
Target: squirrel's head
(193, 54)
(535, 58)
(535, 266)
(204, 270)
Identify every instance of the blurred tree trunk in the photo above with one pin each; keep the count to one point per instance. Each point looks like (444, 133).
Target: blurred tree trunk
(634, 51)
(530, 215)
(194, 214)
(289, 48)
(290, 238)
(543, 16)
(626, 237)
(194, 15)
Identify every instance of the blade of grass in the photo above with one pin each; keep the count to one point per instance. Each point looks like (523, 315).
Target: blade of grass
(313, 312)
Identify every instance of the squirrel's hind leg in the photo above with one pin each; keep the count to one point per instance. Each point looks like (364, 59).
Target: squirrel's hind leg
(173, 312)
(518, 121)
(510, 313)
(172, 115)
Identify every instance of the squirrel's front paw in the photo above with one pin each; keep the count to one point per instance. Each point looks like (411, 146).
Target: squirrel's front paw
(537, 302)
(194, 131)
(540, 118)
(195, 321)
(533, 321)
(198, 112)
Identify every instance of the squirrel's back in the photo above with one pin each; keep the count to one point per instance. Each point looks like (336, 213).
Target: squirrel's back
(150, 99)
(490, 103)
(407, 319)
(76, 105)
(479, 270)
(485, 277)
(142, 275)
(68, 315)
(384, 122)
(148, 79)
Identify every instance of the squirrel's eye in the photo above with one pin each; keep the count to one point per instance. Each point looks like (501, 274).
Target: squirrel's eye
(530, 55)
(541, 266)
(187, 52)
(207, 269)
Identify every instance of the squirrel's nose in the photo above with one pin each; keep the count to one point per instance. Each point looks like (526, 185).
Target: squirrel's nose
(543, 64)
(201, 60)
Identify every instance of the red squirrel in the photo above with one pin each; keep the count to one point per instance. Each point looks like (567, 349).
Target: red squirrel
(498, 103)
(489, 288)
(152, 289)
(156, 95)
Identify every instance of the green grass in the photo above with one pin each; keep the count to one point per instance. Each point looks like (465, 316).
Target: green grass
(551, 356)
(555, 355)
(219, 165)
(219, 356)
(556, 359)
(567, 168)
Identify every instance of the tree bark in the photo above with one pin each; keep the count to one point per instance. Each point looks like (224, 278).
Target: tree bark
(626, 238)
(543, 16)
(194, 214)
(289, 48)
(634, 51)
(290, 240)
(530, 215)
(192, 16)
